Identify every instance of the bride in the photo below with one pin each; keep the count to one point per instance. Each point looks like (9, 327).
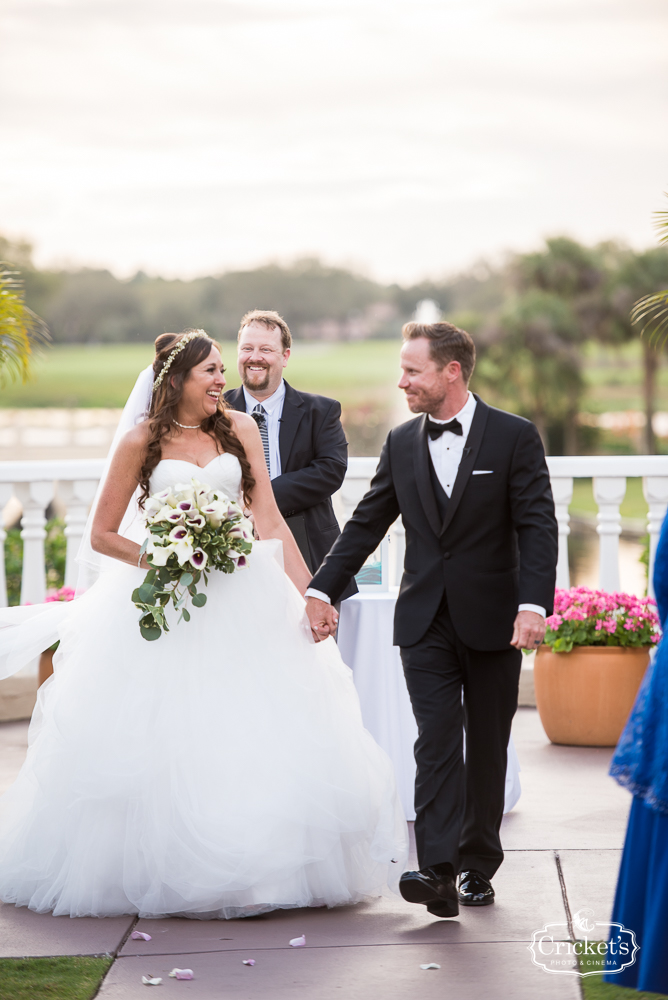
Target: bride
(222, 770)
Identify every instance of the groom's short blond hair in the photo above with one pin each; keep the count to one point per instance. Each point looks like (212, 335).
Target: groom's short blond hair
(446, 343)
(270, 319)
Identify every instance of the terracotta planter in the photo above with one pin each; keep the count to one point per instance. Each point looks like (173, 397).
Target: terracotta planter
(45, 666)
(584, 697)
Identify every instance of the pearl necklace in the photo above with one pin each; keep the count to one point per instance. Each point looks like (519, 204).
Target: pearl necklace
(187, 427)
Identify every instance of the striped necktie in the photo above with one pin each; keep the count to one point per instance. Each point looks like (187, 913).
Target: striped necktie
(259, 415)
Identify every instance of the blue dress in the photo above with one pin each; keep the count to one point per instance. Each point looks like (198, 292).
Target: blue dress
(640, 763)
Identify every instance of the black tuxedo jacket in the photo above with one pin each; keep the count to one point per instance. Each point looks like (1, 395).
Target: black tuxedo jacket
(314, 460)
(494, 547)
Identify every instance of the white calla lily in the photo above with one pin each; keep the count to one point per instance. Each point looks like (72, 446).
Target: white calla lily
(179, 534)
(165, 497)
(214, 513)
(197, 523)
(166, 513)
(183, 550)
(159, 554)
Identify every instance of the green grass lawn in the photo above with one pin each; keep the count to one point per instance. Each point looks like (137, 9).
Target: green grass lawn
(103, 375)
(614, 378)
(51, 978)
(594, 988)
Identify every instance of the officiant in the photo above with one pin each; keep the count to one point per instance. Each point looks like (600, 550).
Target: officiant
(304, 443)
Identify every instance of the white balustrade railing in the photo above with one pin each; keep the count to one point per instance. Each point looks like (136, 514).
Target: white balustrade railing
(609, 474)
(73, 482)
(35, 484)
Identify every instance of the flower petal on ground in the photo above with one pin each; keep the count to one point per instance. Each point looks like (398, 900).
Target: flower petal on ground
(248, 961)
(431, 965)
(182, 974)
(140, 936)
(298, 942)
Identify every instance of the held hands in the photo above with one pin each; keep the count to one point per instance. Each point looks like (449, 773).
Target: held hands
(323, 618)
(529, 630)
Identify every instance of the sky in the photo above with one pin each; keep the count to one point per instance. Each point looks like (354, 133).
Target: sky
(405, 138)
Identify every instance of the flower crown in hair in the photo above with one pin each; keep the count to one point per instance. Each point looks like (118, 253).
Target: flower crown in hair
(177, 350)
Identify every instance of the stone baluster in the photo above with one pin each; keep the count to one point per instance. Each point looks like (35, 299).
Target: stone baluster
(6, 493)
(609, 492)
(562, 490)
(77, 496)
(655, 489)
(398, 551)
(35, 498)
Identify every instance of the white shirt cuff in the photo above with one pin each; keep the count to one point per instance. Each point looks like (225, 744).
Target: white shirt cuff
(527, 607)
(319, 594)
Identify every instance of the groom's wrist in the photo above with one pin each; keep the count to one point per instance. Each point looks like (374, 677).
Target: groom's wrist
(319, 594)
(536, 608)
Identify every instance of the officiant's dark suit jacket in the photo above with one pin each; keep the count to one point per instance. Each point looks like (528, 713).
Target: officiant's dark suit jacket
(489, 548)
(314, 460)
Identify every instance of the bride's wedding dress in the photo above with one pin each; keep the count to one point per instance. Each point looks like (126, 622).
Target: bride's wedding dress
(221, 770)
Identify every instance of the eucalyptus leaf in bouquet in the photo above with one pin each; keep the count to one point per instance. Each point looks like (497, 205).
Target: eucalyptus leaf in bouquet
(192, 530)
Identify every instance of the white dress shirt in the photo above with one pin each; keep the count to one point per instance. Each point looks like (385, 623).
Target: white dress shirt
(274, 409)
(447, 450)
(446, 455)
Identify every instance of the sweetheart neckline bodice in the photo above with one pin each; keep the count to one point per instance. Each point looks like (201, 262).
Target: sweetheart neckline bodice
(202, 468)
(218, 474)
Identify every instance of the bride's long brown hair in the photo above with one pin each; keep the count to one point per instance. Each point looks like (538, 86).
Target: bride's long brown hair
(165, 403)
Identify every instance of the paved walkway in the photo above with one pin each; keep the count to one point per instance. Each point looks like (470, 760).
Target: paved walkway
(563, 843)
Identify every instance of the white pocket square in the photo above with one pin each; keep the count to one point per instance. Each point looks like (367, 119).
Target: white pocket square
(482, 472)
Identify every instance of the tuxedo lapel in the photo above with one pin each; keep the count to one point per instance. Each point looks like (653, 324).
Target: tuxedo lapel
(473, 442)
(236, 399)
(293, 411)
(423, 478)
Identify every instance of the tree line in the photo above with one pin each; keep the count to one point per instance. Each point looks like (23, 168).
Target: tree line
(530, 316)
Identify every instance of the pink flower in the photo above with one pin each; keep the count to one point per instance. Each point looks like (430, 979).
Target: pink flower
(610, 625)
(64, 594)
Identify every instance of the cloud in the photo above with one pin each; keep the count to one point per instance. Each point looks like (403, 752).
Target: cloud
(409, 135)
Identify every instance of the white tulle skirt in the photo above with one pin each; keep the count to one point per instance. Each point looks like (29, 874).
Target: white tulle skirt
(222, 770)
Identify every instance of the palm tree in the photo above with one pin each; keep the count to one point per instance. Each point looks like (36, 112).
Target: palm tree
(652, 310)
(21, 331)
(634, 281)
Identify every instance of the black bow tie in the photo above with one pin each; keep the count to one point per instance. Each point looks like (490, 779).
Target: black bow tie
(435, 430)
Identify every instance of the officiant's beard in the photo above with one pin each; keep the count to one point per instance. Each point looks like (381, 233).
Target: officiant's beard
(252, 384)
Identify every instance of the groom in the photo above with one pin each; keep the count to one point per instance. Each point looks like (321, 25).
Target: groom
(471, 485)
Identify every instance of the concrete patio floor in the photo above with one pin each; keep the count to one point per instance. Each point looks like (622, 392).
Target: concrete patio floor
(563, 842)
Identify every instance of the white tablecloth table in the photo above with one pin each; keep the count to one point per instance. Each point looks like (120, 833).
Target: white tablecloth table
(365, 641)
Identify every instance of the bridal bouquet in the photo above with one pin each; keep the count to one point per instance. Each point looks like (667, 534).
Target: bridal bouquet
(192, 529)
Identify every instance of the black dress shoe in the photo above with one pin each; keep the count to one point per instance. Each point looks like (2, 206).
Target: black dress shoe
(474, 889)
(434, 888)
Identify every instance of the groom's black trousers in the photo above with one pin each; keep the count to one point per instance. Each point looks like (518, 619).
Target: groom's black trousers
(459, 804)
